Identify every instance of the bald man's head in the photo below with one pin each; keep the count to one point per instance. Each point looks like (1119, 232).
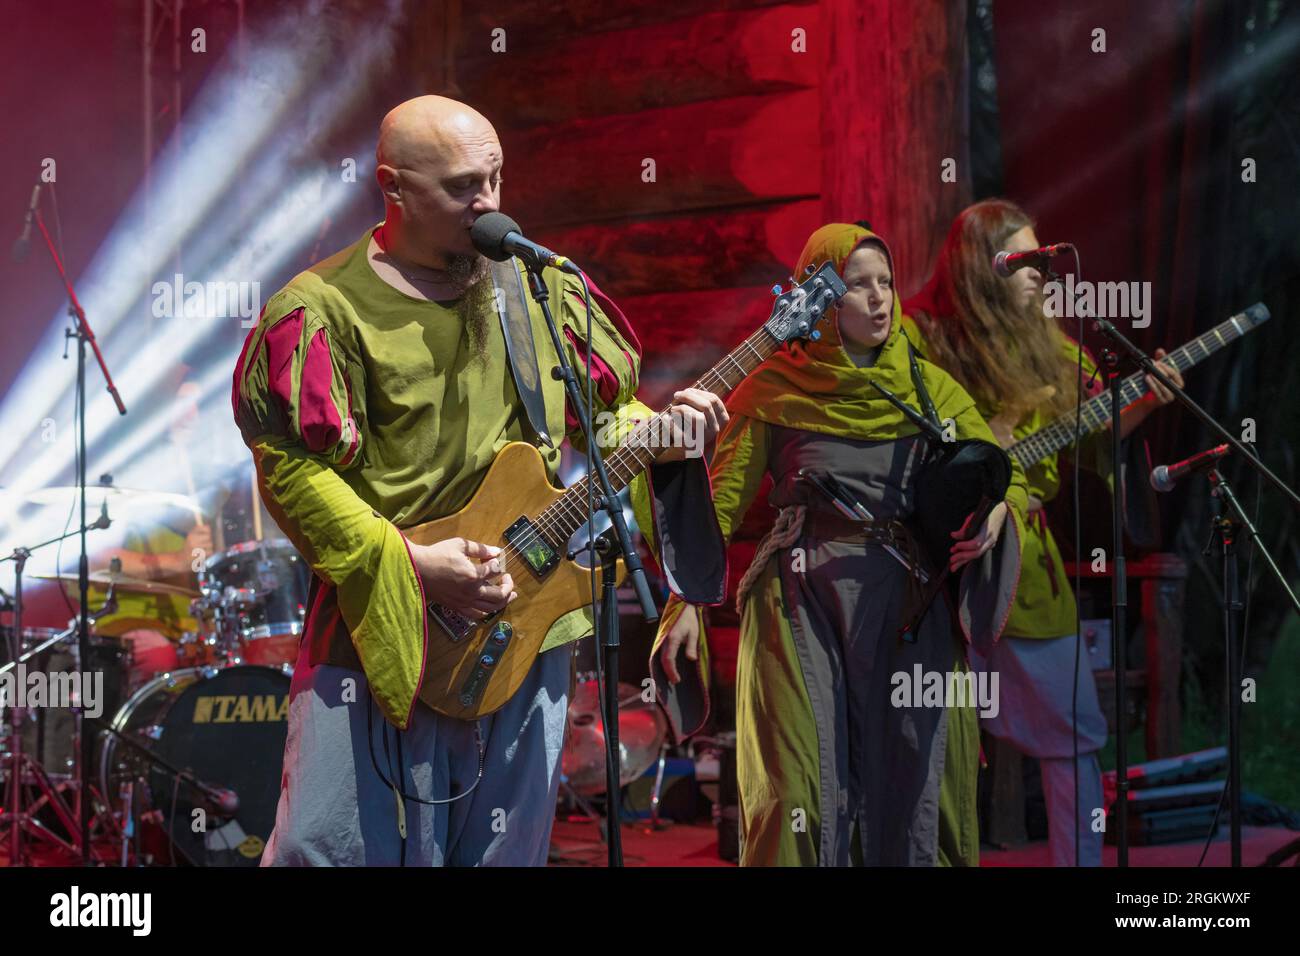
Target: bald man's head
(438, 164)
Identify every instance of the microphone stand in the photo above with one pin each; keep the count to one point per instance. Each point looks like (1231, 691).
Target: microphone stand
(607, 631)
(1119, 604)
(1231, 599)
(1231, 516)
(84, 336)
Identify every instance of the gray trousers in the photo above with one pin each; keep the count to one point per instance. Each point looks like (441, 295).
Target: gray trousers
(1037, 691)
(336, 810)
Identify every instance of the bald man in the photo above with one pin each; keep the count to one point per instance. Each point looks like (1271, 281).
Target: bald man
(374, 394)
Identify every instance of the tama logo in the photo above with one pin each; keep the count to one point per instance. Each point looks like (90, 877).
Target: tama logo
(103, 909)
(241, 709)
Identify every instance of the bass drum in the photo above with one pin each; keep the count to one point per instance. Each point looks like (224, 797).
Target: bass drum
(228, 728)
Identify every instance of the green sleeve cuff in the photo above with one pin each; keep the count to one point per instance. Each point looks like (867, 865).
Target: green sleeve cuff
(365, 558)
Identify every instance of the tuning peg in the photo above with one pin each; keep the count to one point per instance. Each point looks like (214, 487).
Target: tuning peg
(776, 289)
(809, 269)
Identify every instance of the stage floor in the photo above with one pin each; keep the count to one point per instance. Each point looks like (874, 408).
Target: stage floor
(578, 843)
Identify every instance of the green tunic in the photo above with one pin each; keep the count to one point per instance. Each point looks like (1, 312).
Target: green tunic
(368, 411)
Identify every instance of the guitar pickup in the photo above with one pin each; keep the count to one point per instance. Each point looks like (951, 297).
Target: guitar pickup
(536, 551)
(486, 664)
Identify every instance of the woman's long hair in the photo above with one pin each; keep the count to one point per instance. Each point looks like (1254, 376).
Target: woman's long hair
(1003, 353)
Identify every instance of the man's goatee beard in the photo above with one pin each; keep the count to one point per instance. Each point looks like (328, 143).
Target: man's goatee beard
(476, 304)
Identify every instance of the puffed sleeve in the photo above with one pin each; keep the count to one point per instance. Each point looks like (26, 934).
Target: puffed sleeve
(299, 402)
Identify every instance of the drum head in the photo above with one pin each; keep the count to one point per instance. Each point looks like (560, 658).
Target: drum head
(228, 730)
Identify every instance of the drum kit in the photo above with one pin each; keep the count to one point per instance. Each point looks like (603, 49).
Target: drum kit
(187, 752)
(188, 727)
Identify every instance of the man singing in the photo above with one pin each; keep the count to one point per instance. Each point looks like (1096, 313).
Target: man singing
(374, 393)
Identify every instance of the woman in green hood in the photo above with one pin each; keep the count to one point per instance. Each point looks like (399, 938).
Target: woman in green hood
(840, 754)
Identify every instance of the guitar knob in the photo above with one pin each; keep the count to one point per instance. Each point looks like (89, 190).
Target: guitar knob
(776, 289)
(816, 335)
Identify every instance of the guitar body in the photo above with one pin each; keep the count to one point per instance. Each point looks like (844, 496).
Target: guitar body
(515, 486)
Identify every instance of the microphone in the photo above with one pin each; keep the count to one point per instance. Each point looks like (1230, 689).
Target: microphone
(1164, 477)
(218, 801)
(1005, 263)
(23, 242)
(499, 237)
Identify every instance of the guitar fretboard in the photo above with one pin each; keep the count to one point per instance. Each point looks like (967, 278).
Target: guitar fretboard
(1095, 412)
(643, 444)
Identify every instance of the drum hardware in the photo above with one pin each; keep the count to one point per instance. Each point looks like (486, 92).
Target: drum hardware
(127, 795)
(18, 817)
(642, 731)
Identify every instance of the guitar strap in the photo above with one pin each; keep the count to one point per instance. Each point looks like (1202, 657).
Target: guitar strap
(927, 404)
(517, 328)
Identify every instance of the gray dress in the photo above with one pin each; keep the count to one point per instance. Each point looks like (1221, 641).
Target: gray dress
(870, 761)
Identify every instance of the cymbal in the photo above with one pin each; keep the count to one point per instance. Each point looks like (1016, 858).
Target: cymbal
(124, 582)
(131, 499)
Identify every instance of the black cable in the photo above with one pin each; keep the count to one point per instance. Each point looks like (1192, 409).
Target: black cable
(171, 823)
(402, 794)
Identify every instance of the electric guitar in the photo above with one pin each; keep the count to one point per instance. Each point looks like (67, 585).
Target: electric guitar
(1095, 412)
(473, 668)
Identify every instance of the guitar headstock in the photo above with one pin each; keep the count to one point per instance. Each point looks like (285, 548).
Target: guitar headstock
(796, 311)
(1257, 314)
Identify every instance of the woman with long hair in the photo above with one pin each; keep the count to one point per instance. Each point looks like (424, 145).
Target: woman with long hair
(993, 335)
(840, 756)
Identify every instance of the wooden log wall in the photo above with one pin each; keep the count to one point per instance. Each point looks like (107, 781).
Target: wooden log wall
(763, 120)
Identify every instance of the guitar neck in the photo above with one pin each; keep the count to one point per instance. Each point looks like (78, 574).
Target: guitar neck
(1095, 412)
(569, 512)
